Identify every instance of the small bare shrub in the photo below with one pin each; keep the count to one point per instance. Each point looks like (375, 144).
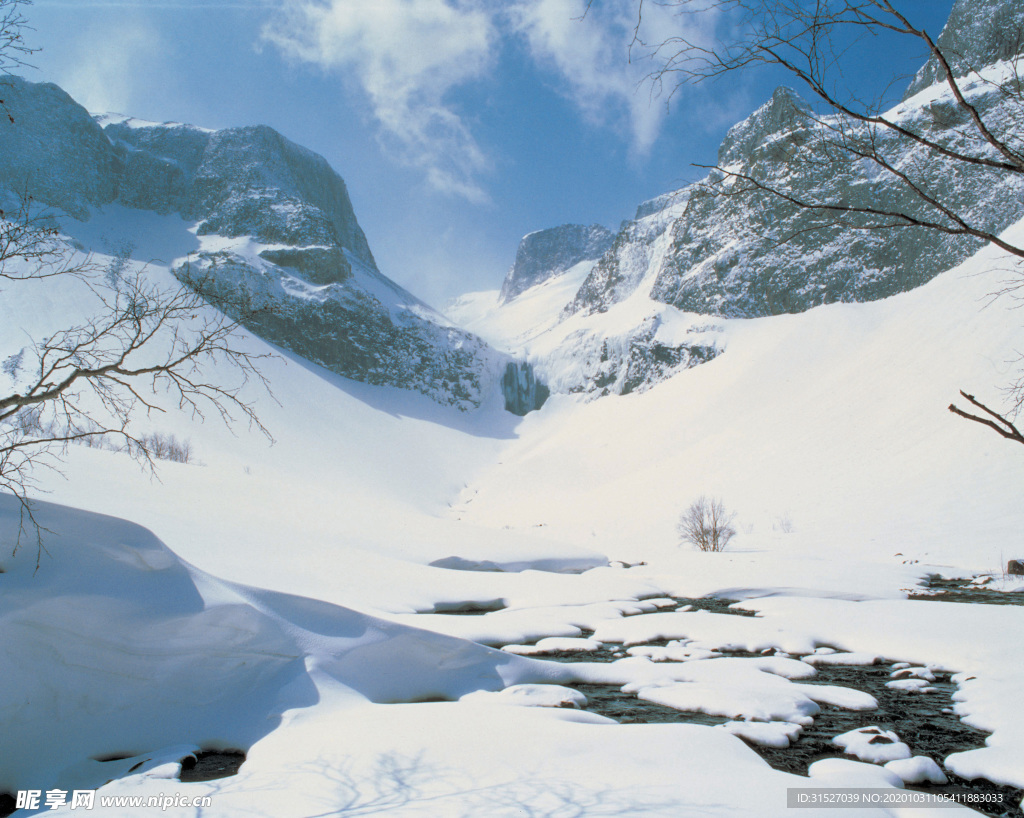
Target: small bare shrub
(706, 524)
(163, 447)
(784, 524)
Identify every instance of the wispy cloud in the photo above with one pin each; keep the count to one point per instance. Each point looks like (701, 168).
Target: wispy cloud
(408, 56)
(601, 57)
(105, 69)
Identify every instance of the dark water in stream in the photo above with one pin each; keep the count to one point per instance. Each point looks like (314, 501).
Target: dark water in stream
(924, 721)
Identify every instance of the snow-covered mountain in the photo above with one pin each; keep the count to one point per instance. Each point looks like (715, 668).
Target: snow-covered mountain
(546, 253)
(289, 600)
(293, 602)
(277, 244)
(649, 305)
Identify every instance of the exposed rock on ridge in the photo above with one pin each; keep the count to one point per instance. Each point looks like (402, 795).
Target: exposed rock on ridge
(546, 253)
(280, 247)
(54, 151)
(247, 181)
(755, 254)
(714, 249)
(977, 33)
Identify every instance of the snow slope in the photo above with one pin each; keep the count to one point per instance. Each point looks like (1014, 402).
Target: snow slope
(142, 659)
(512, 325)
(831, 423)
(281, 598)
(826, 431)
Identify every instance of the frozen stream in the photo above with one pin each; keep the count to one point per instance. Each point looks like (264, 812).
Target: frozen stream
(914, 703)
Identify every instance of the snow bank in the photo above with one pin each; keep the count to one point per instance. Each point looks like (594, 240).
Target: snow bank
(126, 647)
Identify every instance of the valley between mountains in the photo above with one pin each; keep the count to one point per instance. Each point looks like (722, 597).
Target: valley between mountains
(449, 580)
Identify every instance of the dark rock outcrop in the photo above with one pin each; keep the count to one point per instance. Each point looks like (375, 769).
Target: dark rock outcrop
(523, 392)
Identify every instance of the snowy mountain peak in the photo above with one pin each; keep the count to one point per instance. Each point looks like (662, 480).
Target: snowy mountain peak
(693, 253)
(275, 231)
(247, 181)
(785, 111)
(544, 254)
(113, 118)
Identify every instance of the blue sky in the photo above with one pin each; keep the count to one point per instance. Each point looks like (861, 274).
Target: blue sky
(458, 125)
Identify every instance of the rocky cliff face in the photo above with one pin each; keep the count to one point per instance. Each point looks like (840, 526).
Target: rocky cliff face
(546, 253)
(53, 151)
(280, 247)
(977, 33)
(638, 248)
(755, 254)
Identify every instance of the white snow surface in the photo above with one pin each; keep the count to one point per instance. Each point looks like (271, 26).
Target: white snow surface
(280, 598)
(514, 325)
(917, 770)
(770, 734)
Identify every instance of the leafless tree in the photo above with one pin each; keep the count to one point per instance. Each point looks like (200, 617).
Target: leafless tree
(1000, 424)
(145, 349)
(14, 51)
(816, 42)
(706, 525)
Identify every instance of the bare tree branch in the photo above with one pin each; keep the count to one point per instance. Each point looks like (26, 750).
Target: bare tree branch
(1001, 425)
(146, 349)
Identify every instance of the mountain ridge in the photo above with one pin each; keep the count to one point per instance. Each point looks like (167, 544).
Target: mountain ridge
(699, 253)
(280, 248)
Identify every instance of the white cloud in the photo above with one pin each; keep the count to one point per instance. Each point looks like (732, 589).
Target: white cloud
(150, 5)
(407, 56)
(105, 69)
(410, 57)
(600, 57)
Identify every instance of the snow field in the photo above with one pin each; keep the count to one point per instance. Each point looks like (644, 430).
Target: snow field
(276, 605)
